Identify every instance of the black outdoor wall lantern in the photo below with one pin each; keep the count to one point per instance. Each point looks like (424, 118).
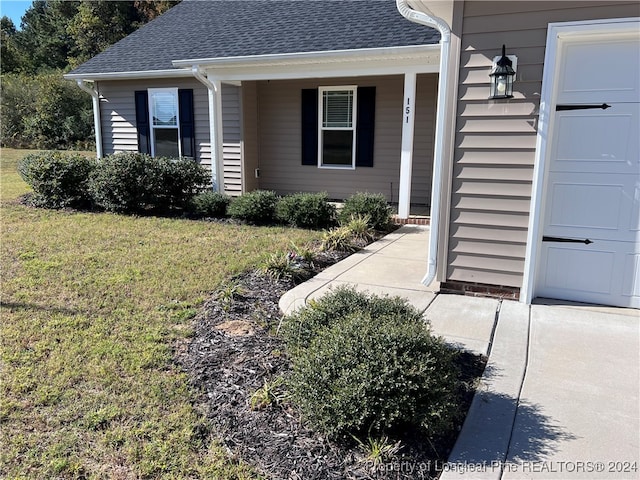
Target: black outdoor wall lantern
(502, 76)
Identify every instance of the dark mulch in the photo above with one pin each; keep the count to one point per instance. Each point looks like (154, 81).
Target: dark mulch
(233, 352)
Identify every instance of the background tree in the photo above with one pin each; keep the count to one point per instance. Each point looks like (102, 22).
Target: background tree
(150, 9)
(8, 50)
(43, 39)
(39, 108)
(97, 25)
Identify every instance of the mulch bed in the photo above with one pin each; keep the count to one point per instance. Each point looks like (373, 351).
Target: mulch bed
(231, 355)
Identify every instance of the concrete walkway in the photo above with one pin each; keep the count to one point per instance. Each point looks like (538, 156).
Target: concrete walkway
(560, 395)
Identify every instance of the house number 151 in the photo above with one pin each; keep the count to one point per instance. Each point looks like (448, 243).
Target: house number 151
(407, 111)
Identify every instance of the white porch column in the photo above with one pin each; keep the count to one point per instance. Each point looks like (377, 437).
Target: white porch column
(215, 133)
(406, 157)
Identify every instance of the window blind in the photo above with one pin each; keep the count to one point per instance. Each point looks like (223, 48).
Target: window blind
(338, 109)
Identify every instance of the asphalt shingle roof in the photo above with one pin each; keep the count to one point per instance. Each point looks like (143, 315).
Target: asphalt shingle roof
(233, 28)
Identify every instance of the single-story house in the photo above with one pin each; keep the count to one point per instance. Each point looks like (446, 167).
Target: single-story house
(528, 155)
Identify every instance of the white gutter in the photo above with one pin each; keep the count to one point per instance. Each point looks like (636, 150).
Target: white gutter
(214, 89)
(95, 96)
(169, 73)
(443, 96)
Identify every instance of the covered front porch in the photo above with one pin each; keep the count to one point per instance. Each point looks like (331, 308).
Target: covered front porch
(401, 85)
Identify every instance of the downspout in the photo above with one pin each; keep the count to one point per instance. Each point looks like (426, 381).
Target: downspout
(214, 89)
(95, 96)
(443, 95)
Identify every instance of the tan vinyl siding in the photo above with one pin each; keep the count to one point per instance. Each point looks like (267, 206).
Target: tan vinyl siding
(232, 136)
(495, 140)
(280, 140)
(118, 114)
(250, 134)
(118, 117)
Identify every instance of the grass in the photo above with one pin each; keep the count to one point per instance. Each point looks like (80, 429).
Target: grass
(93, 306)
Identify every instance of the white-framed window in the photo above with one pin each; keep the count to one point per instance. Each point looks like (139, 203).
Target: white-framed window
(337, 132)
(164, 122)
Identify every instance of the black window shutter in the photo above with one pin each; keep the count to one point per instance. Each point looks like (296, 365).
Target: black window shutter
(310, 126)
(365, 126)
(187, 125)
(142, 121)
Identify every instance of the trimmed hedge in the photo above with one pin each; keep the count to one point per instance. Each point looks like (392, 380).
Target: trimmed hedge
(371, 205)
(366, 365)
(300, 327)
(257, 207)
(58, 179)
(135, 182)
(306, 210)
(209, 204)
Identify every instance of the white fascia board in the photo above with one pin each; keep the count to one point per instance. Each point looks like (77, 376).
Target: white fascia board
(169, 73)
(351, 63)
(413, 51)
(317, 71)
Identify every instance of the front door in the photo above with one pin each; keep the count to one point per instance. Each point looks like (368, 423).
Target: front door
(591, 222)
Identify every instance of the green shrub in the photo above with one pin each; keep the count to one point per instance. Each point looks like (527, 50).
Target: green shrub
(58, 179)
(367, 373)
(306, 210)
(301, 326)
(210, 204)
(257, 207)
(135, 182)
(180, 180)
(373, 205)
(126, 182)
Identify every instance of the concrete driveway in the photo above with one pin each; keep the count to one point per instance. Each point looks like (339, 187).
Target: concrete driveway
(560, 395)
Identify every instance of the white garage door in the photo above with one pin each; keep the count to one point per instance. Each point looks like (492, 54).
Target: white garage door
(591, 224)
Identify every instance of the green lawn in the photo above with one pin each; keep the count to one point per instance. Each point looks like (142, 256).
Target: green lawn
(93, 305)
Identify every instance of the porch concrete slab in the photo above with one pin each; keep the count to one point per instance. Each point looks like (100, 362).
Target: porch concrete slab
(416, 249)
(337, 269)
(483, 443)
(465, 321)
(579, 400)
(387, 271)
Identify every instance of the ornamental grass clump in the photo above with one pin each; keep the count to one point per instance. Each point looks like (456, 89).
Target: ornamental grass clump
(370, 368)
(349, 237)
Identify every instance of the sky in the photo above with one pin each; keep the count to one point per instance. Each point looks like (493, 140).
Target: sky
(14, 9)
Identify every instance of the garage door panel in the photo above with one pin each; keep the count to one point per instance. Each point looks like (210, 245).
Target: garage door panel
(592, 69)
(586, 274)
(634, 219)
(631, 282)
(608, 140)
(597, 204)
(564, 262)
(590, 250)
(582, 207)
